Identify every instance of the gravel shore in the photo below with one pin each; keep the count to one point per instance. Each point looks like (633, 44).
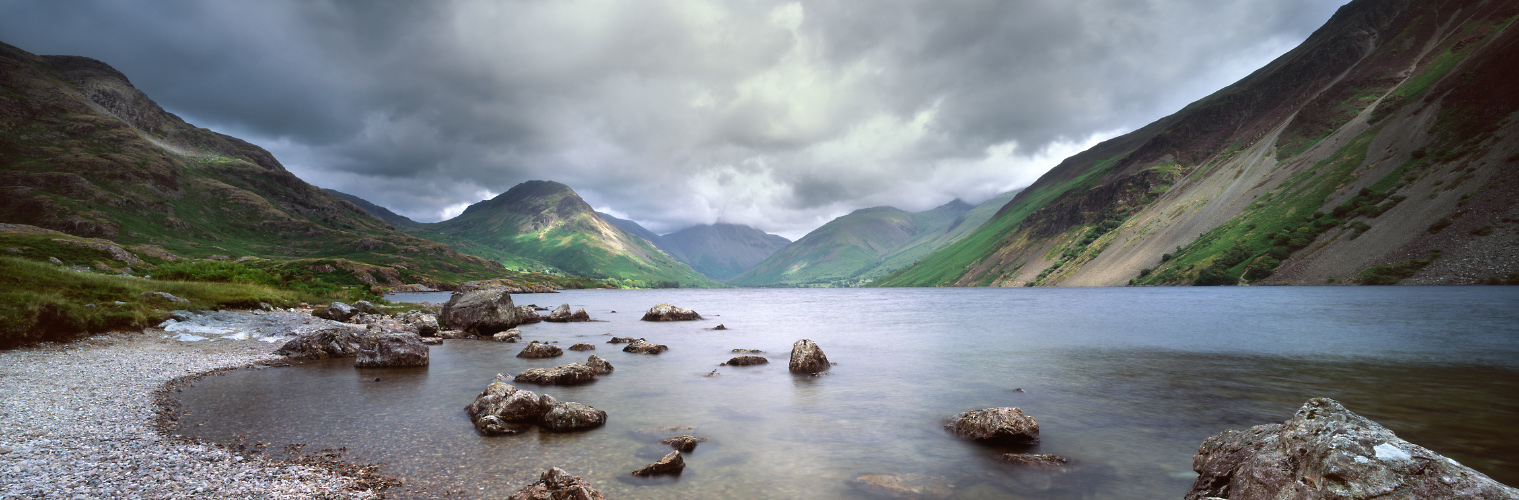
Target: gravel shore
(77, 420)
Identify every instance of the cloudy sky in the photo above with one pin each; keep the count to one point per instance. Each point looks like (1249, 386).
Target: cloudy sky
(671, 113)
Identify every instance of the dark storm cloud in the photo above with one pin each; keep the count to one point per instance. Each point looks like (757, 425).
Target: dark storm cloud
(672, 113)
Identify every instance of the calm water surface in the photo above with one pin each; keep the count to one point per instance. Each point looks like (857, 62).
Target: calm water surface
(1126, 382)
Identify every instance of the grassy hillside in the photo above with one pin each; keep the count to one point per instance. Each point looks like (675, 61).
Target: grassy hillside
(545, 223)
(85, 153)
(1380, 150)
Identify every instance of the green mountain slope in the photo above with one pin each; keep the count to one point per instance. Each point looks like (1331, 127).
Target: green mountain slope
(546, 223)
(1382, 149)
(940, 235)
(638, 230)
(374, 210)
(84, 152)
(842, 250)
(722, 251)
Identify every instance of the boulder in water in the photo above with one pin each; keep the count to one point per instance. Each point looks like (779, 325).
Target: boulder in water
(556, 484)
(1325, 451)
(670, 464)
(391, 349)
(642, 346)
(582, 347)
(570, 416)
(481, 308)
(622, 340)
(685, 442)
(807, 357)
(1036, 461)
(336, 342)
(570, 374)
(509, 335)
(746, 361)
(598, 365)
(562, 314)
(666, 312)
(1006, 425)
(540, 350)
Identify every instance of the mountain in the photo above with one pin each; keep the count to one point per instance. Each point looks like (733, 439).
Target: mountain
(374, 210)
(639, 231)
(842, 250)
(722, 251)
(1381, 150)
(84, 152)
(545, 223)
(938, 236)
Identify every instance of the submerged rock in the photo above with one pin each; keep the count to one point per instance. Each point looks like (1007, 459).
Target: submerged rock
(321, 344)
(807, 357)
(747, 351)
(582, 347)
(482, 308)
(391, 349)
(1041, 461)
(556, 484)
(670, 464)
(540, 350)
(642, 346)
(1325, 451)
(570, 416)
(719, 327)
(746, 361)
(598, 365)
(570, 374)
(904, 486)
(666, 312)
(685, 442)
(562, 314)
(1007, 425)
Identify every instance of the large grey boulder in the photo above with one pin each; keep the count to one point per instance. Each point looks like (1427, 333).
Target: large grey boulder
(481, 308)
(425, 324)
(807, 357)
(642, 346)
(381, 349)
(1325, 451)
(365, 306)
(500, 405)
(562, 314)
(1008, 425)
(569, 416)
(570, 374)
(336, 311)
(556, 484)
(338, 342)
(667, 312)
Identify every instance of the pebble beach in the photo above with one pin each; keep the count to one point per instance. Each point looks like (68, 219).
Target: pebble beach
(79, 420)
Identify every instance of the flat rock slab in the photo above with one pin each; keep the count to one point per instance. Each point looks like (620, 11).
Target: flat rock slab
(670, 464)
(1006, 425)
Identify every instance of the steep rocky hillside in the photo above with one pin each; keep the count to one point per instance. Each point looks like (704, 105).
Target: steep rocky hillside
(1384, 149)
(544, 223)
(84, 152)
(843, 250)
(722, 251)
(376, 211)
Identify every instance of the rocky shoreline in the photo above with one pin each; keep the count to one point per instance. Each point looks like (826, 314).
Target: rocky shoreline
(83, 420)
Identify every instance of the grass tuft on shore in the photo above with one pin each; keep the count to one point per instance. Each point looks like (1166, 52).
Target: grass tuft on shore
(40, 301)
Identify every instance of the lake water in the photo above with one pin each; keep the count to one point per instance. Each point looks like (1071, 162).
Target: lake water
(1125, 382)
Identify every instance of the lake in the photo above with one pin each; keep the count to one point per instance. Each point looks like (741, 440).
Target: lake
(1125, 382)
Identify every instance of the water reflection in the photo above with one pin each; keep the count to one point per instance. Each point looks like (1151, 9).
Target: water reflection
(1126, 383)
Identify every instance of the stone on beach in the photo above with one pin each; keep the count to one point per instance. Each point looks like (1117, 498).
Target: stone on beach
(1326, 451)
(336, 311)
(671, 463)
(556, 484)
(807, 357)
(540, 350)
(666, 312)
(1006, 425)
